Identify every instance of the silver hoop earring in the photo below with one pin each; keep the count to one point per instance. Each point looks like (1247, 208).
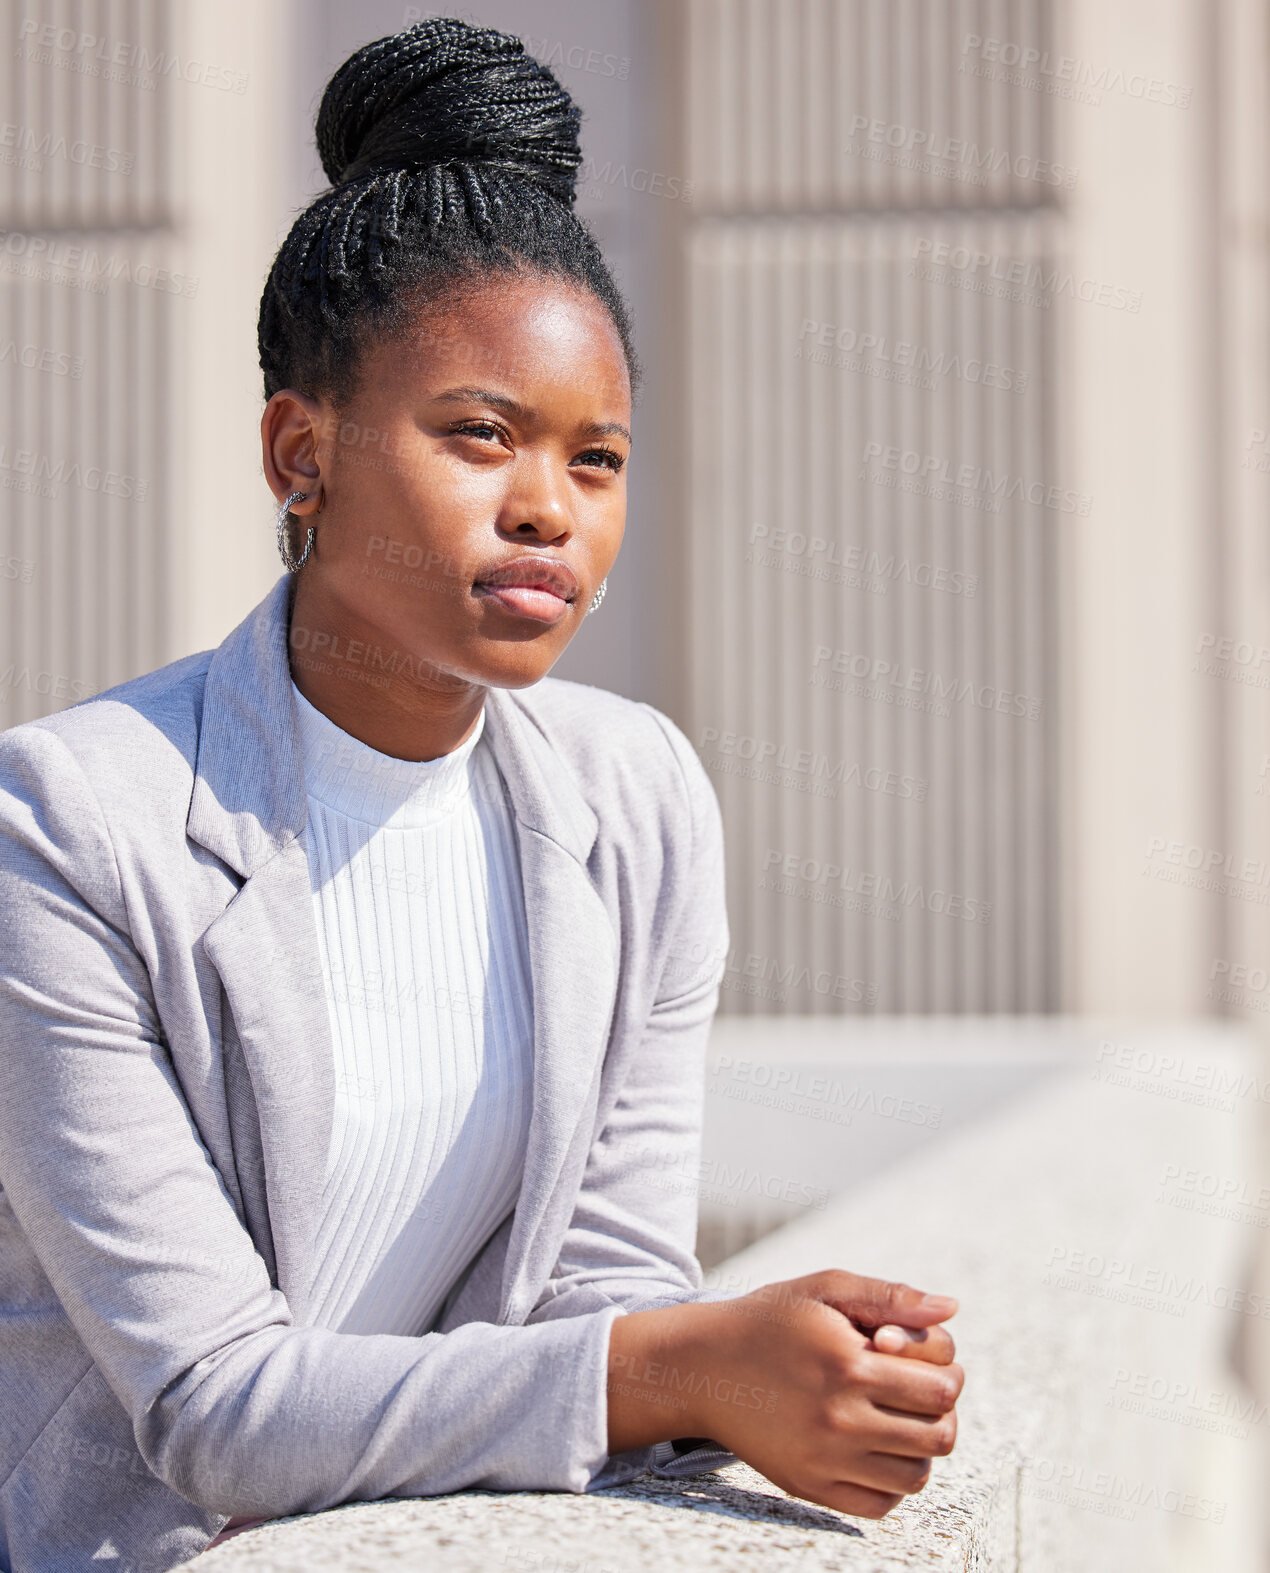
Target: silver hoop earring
(598, 596)
(294, 564)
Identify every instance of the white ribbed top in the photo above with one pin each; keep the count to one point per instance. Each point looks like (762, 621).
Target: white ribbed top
(421, 927)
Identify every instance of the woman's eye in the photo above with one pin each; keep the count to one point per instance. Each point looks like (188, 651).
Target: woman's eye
(606, 456)
(594, 458)
(476, 428)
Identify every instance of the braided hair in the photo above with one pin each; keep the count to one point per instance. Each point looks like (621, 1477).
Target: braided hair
(452, 156)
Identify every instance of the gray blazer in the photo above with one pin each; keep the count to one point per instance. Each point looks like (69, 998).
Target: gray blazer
(166, 1087)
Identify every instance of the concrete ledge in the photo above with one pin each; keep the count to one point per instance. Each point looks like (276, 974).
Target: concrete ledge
(1086, 1280)
(733, 1518)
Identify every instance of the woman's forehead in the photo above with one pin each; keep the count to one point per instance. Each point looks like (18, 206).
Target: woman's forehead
(513, 336)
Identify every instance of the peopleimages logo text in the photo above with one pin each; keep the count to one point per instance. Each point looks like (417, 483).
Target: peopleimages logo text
(1049, 281)
(762, 754)
(937, 145)
(1080, 73)
(867, 348)
(999, 484)
(53, 251)
(89, 52)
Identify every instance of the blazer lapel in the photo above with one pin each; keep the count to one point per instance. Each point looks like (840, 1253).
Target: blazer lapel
(248, 807)
(573, 953)
(265, 948)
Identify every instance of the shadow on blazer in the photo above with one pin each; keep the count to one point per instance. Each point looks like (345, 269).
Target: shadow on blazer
(166, 1090)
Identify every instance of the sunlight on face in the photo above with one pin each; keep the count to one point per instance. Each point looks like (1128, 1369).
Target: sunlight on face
(491, 438)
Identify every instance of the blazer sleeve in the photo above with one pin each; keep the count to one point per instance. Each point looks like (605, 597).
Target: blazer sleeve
(630, 1242)
(232, 1405)
(631, 1239)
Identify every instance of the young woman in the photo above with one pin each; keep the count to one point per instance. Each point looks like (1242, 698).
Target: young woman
(357, 975)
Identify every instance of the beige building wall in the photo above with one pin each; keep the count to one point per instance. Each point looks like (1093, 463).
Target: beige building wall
(233, 219)
(138, 218)
(875, 494)
(1167, 618)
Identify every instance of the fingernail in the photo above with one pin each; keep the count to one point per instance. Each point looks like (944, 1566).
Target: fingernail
(940, 1302)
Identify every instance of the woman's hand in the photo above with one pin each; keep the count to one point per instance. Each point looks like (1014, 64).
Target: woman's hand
(927, 1343)
(825, 1384)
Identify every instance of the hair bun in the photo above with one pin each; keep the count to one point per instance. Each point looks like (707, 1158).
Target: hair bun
(443, 92)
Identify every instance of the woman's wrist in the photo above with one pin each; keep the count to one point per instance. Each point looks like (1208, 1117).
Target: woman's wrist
(660, 1374)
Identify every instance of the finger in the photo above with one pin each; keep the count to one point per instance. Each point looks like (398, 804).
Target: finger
(912, 1436)
(876, 1302)
(932, 1344)
(859, 1501)
(912, 1386)
(887, 1472)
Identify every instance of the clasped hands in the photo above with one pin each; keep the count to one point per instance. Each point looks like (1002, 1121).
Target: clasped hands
(839, 1389)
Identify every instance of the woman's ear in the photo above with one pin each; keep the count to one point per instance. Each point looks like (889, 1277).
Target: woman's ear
(291, 431)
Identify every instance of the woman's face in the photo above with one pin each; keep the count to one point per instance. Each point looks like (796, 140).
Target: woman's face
(490, 440)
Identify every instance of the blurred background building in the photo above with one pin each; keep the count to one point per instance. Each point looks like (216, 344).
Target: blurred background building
(950, 468)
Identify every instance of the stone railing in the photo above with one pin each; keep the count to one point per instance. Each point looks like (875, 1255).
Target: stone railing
(1088, 1225)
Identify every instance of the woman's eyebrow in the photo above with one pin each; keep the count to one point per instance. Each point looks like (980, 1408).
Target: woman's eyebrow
(499, 401)
(509, 406)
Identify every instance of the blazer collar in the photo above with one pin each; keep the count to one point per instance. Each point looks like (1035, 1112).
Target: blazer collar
(249, 800)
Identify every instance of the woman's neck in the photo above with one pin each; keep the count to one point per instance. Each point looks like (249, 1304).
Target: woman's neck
(392, 699)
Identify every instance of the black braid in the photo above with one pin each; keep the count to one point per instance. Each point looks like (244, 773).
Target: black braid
(452, 156)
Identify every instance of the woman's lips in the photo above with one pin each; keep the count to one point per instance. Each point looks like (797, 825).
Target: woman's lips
(522, 600)
(531, 586)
